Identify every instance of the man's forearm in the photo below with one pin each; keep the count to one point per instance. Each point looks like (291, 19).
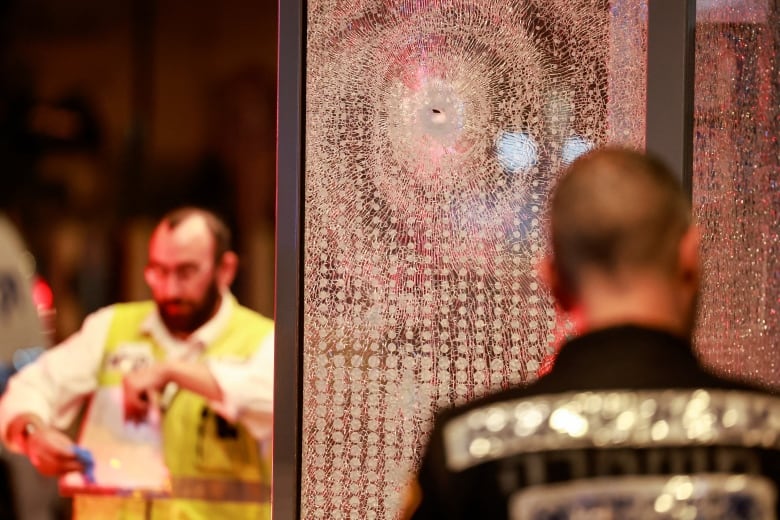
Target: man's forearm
(194, 376)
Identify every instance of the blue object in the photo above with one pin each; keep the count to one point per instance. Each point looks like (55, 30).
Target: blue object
(85, 457)
(6, 371)
(517, 151)
(575, 146)
(25, 356)
(21, 357)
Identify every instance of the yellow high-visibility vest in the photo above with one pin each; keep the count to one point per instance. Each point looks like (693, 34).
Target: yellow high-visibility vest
(216, 468)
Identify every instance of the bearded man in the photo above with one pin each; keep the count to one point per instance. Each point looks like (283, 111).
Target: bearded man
(192, 359)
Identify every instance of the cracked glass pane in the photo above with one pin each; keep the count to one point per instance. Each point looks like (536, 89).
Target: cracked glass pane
(434, 130)
(735, 184)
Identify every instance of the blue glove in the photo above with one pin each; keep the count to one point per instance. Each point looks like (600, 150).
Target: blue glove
(85, 457)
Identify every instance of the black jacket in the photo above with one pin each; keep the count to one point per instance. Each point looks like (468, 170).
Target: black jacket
(482, 454)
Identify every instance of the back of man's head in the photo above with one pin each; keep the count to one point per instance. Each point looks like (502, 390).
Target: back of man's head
(616, 212)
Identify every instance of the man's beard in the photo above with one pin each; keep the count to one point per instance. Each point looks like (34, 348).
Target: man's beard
(199, 313)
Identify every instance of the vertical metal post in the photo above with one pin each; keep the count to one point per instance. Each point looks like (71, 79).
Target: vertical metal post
(670, 70)
(289, 254)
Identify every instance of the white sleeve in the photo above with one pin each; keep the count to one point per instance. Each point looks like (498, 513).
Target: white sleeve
(54, 386)
(247, 389)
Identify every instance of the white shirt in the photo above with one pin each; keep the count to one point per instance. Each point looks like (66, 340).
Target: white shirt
(56, 384)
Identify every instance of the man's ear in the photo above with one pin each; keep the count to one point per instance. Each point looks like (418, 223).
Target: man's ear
(226, 270)
(689, 257)
(551, 277)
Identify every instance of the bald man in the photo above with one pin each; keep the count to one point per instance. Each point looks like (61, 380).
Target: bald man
(627, 422)
(193, 354)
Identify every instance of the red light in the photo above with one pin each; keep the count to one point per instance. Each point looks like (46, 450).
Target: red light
(42, 295)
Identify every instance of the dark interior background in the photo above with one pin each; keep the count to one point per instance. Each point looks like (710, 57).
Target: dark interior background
(112, 113)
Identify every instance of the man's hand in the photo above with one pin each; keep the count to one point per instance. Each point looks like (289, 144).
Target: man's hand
(141, 391)
(51, 451)
(143, 386)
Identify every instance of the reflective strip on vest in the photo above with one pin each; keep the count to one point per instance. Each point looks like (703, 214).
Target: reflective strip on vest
(220, 490)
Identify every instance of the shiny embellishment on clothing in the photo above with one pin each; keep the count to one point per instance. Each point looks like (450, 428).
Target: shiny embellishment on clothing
(661, 497)
(611, 419)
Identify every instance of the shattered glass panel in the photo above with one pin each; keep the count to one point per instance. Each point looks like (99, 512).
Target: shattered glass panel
(434, 130)
(735, 184)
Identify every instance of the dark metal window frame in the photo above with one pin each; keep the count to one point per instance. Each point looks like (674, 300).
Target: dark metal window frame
(670, 65)
(288, 362)
(669, 135)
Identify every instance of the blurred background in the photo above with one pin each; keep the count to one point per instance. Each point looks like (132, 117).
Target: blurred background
(112, 113)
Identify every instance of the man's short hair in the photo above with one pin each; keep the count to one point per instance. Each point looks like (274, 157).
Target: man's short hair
(616, 209)
(219, 230)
